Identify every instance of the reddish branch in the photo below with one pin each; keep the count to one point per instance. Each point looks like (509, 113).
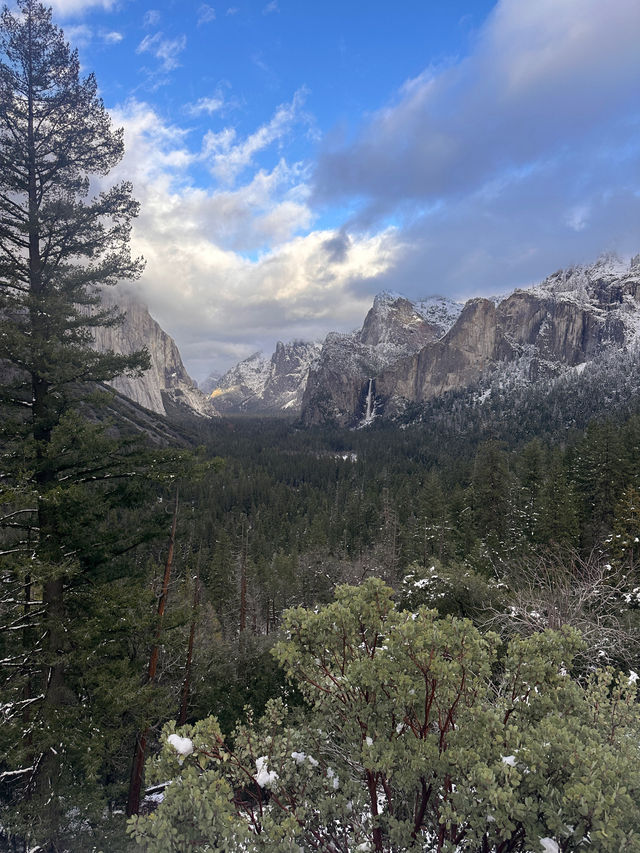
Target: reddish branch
(137, 771)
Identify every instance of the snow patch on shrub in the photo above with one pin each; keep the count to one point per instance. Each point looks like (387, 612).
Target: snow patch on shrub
(182, 745)
(264, 777)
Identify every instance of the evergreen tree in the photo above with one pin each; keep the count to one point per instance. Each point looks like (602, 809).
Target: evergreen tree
(557, 521)
(598, 472)
(624, 542)
(58, 246)
(490, 492)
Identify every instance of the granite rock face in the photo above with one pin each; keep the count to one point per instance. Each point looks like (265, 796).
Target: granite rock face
(473, 343)
(573, 317)
(166, 385)
(395, 328)
(260, 386)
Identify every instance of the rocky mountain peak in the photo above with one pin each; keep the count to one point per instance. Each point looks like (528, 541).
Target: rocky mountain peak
(593, 283)
(573, 316)
(393, 320)
(394, 328)
(259, 385)
(166, 386)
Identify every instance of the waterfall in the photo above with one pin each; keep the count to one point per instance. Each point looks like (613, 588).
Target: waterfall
(369, 411)
(370, 405)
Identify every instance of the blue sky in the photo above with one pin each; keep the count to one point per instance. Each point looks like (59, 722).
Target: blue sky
(295, 157)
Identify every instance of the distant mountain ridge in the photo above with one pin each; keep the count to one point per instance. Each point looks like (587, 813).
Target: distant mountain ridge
(275, 385)
(393, 328)
(406, 353)
(573, 317)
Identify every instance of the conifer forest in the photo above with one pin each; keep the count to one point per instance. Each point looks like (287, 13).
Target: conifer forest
(246, 634)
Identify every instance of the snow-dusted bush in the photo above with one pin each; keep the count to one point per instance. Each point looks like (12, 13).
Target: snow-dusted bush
(419, 733)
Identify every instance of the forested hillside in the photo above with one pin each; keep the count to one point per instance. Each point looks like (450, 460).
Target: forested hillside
(503, 533)
(247, 635)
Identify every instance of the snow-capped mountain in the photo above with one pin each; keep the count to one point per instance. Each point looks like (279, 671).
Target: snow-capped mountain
(395, 328)
(166, 386)
(573, 317)
(207, 385)
(258, 385)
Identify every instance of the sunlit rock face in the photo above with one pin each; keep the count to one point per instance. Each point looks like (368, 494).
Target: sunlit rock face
(571, 318)
(166, 385)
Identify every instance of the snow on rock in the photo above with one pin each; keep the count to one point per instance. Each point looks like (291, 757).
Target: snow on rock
(439, 310)
(264, 778)
(549, 845)
(273, 385)
(407, 352)
(182, 745)
(156, 797)
(633, 677)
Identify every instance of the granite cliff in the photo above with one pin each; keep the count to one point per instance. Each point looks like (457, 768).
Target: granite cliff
(166, 386)
(574, 317)
(339, 385)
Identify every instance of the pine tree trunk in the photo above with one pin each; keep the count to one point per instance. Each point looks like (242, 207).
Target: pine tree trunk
(53, 588)
(243, 581)
(137, 770)
(186, 685)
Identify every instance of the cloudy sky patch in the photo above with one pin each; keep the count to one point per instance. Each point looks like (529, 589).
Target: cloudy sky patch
(294, 159)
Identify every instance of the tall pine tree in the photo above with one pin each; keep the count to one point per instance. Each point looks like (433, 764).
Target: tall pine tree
(59, 245)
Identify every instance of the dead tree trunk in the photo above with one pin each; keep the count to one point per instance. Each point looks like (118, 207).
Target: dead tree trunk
(135, 783)
(243, 578)
(186, 684)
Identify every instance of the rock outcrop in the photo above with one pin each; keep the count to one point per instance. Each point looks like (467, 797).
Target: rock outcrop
(472, 345)
(573, 317)
(166, 386)
(260, 386)
(395, 328)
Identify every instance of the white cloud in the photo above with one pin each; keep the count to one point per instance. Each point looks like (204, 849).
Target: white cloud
(578, 217)
(512, 162)
(79, 35)
(542, 76)
(164, 49)
(232, 10)
(68, 8)
(230, 271)
(271, 8)
(519, 159)
(206, 14)
(562, 213)
(151, 18)
(112, 37)
(227, 157)
(206, 106)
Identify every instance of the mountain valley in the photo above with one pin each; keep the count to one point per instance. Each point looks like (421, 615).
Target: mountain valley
(408, 353)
